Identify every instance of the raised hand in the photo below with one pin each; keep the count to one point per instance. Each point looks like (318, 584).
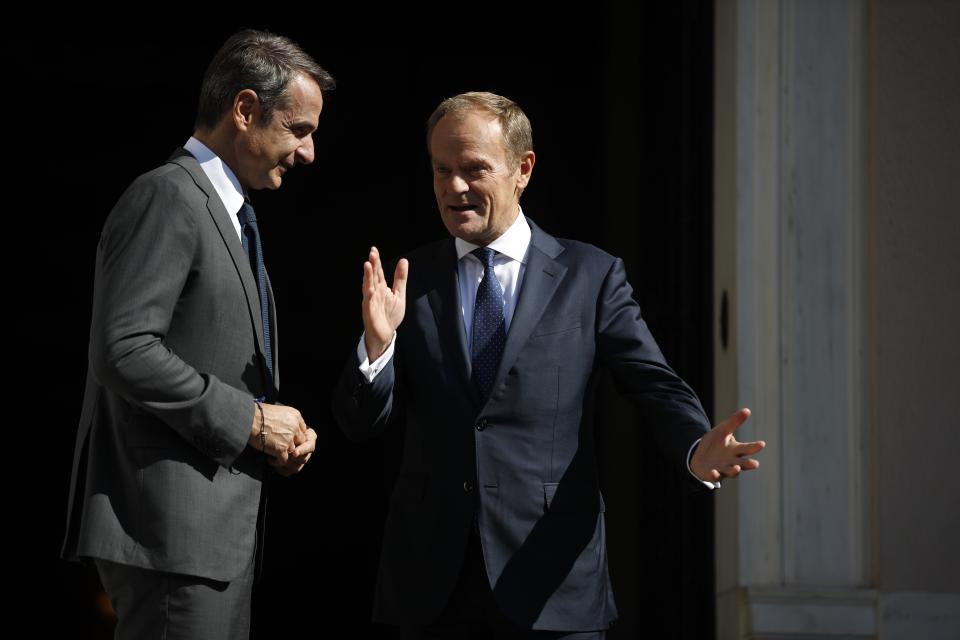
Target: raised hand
(720, 455)
(383, 306)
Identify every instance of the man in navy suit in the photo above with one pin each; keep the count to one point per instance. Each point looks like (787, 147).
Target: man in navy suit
(488, 344)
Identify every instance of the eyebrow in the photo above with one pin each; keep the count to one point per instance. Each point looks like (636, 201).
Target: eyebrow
(477, 162)
(303, 124)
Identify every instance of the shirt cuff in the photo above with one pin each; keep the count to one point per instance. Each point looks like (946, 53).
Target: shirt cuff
(371, 369)
(707, 484)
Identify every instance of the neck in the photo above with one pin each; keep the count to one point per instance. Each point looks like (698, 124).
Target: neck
(221, 142)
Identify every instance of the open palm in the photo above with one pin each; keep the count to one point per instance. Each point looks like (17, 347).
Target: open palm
(383, 306)
(720, 455)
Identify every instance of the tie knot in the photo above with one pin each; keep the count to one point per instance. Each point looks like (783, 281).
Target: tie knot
(485, 256)
(246, 215)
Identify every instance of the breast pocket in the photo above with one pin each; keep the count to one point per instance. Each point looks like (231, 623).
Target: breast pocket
(556, 325)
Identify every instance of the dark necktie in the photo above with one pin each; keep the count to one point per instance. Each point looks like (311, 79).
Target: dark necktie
(250, 237)
(489, 331)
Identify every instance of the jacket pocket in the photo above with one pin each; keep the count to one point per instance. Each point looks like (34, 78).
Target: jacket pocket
(573, 501)
(555, 325)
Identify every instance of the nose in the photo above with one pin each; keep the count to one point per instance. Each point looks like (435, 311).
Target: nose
(305, 151)
(458, 184)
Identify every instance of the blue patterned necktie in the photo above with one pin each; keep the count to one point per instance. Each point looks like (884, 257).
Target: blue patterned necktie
(250, 237)
(489, 331)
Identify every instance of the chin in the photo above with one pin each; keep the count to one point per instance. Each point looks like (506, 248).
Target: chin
(462, 231)
(465, 230)
(474, 237)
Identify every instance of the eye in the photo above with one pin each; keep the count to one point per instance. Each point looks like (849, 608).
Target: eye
(302, 131)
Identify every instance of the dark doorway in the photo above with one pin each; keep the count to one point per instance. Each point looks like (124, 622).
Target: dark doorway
(620, 101)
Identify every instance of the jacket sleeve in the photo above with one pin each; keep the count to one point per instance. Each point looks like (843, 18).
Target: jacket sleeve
(361, 408)
(144, 258)
(669, 407)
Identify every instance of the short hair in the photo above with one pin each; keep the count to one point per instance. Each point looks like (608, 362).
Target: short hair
(258, 60)
(517, 132)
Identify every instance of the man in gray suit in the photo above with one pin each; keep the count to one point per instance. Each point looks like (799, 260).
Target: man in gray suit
(178, 422)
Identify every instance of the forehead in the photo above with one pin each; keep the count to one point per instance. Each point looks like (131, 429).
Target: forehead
(303, 100)
(474, 132)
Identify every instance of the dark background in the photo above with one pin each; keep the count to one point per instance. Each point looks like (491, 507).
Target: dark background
(620, 101)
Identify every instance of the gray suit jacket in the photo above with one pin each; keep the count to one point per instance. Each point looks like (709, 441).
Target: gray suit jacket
(162, 475)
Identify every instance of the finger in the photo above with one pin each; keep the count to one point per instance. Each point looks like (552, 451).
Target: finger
(278, 466)
(301, 425)
(367, 278)
(298, 438)
(712, 476)
(749, 448)
(731, 424)
(284, 471)
(291, 466)
(305, 448)
(750, 464)
(377, 265)
(308, 445)
(400, 277)
(732, 471)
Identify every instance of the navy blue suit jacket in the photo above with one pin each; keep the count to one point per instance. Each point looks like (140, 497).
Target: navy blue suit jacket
(522, 465)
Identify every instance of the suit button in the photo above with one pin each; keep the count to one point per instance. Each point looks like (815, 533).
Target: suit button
(467, 486)
(481, 425)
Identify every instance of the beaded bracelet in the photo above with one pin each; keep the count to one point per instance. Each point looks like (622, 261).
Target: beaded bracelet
(263, 425)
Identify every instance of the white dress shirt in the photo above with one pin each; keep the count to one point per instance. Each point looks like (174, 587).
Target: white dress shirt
(508, 266)
(224, 180)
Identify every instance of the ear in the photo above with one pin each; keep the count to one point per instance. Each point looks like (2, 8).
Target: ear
(245, 109)
(527, 160)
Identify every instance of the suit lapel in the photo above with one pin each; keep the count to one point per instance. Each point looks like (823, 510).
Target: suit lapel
(229, 235)
(541, 279)
(444, 300)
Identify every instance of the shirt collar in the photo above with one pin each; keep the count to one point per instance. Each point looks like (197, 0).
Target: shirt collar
(513, 243)
(223, 178)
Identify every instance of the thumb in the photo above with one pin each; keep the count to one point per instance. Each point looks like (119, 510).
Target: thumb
(731, 424)
(400, 277)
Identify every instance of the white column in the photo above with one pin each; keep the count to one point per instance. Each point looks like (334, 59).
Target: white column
(792, 548)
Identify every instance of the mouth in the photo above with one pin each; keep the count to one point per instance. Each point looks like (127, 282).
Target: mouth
(463, 208)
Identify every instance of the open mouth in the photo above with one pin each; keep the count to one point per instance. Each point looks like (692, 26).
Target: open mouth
(462, 208)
